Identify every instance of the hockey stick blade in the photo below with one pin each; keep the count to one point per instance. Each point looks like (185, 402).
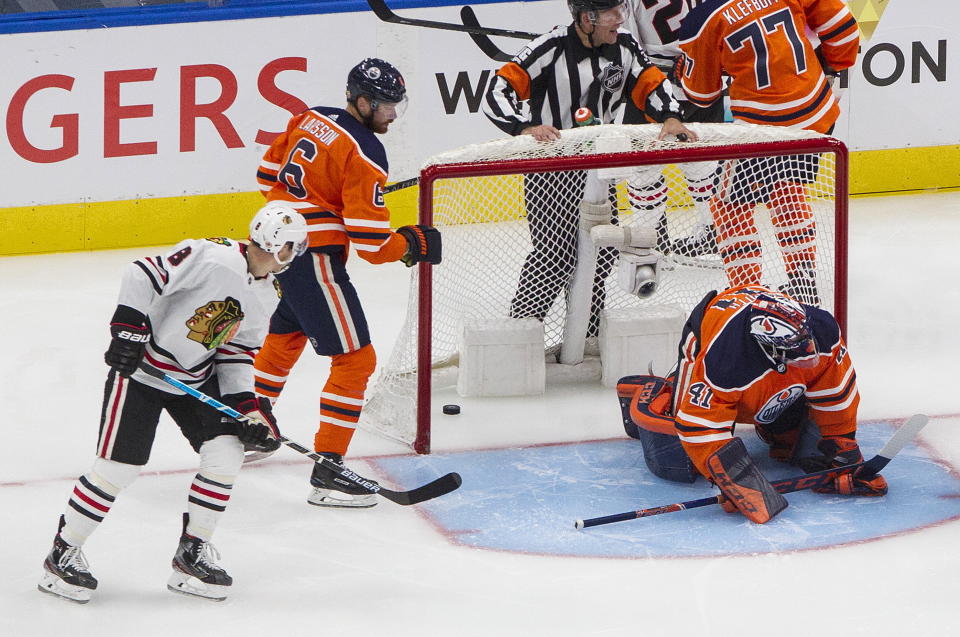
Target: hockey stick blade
(441, 486)
(482, 40)
(382, 11)
(900, 439)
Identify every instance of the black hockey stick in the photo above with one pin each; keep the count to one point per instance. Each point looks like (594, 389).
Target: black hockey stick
(482, 40)
(383, 12)
(440, 486)
(868, 469)
(400, 185)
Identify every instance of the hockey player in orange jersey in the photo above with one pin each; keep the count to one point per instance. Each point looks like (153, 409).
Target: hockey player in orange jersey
(778, 78)
(331, 167)
(751, 355)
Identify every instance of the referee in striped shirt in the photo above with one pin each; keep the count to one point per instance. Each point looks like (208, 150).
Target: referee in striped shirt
(590, 63)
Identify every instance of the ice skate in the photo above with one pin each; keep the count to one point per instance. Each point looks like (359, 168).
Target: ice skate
(195, 571)
(65, 572)
(330, 490)
(802, 285)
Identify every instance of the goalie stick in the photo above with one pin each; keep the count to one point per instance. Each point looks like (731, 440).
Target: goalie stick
(380, 8)
(441, 486)
(868, 469)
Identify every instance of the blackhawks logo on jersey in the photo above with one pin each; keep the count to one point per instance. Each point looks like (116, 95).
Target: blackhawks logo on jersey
(215, 323)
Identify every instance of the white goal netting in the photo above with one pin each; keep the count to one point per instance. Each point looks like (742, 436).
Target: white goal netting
(744, 204)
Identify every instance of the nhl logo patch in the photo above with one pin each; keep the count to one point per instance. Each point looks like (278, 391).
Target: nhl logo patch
(611, 78)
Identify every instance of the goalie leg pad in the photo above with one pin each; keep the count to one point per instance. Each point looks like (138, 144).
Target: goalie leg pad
(645, 407)
(734, 472)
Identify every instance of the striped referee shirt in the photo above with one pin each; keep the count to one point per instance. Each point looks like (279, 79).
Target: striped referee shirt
(555, 74)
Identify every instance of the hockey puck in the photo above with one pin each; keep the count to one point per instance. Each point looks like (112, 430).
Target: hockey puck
(682, 137)
(451, 410)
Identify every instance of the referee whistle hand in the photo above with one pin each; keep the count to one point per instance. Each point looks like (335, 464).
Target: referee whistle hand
(542, 133)
(673, 126)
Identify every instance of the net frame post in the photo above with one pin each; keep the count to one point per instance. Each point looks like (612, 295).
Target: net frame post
(431, 174)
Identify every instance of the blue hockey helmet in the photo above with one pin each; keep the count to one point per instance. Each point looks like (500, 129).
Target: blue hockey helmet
(378, 80)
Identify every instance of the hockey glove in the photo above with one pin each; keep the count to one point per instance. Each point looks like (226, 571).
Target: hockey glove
(423, 244)
(130, 335)
(838, 451)
(260, 432)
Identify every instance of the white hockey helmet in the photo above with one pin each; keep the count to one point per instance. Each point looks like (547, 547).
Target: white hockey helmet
(276, 225)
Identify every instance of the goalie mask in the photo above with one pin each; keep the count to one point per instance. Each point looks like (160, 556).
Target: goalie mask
(779, 325)
(380, 82)
(276, 226)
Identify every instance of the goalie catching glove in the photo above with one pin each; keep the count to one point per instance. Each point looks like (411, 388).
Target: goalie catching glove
(838, 451)
(423, 244)
(260, 432)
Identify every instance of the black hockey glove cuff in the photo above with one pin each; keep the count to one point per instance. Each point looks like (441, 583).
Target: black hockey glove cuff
(423, 244)
(260, 432)
(130, 334)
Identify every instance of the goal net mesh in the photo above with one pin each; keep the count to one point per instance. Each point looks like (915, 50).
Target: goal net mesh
(739, 206)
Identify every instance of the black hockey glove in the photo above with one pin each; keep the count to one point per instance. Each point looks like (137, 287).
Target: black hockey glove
(423, 244)
(130, 334)
(260, 432)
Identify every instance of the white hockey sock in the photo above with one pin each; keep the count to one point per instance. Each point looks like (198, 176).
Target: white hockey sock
(93, 496)
(648, 200)
(220, 462)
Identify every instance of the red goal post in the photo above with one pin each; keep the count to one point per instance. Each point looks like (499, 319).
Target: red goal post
(482, 192)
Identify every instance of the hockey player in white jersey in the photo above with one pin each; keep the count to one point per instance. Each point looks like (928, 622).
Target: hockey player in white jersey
(198, 313)
(656, 25)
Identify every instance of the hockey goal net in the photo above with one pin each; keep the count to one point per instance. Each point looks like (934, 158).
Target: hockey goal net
(744, 204)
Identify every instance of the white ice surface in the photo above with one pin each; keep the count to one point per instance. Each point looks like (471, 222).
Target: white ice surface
(300, 570)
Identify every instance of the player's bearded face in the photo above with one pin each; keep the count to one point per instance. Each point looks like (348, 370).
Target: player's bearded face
(382, 114)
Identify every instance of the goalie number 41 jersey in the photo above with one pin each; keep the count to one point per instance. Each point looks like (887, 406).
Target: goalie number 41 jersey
(724, 377)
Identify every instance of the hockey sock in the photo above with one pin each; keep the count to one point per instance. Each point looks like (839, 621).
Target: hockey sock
(702, 181)
(93, 496)
(648, 197)
(342, 399)
(739, 243)
(792, 216)
(274, 361)
(220, 462)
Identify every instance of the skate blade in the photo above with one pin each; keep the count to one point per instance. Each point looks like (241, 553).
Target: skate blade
(189, 585)
(326, 498)
(53, 585)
